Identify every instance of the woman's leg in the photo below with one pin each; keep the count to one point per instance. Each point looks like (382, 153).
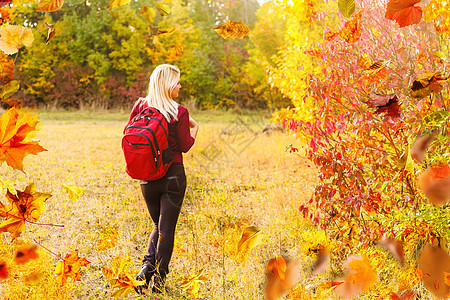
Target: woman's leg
(170, 207)
(151, 191)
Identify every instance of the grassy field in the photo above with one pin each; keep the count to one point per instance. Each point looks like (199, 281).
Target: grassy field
(237, 177)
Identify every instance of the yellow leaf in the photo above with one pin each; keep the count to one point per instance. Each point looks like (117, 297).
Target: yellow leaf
(251, 237)
(12, 36)
(73, 191)
(191, 283)
(9, 89)
(148, 13)
(120, 277)
(163, 9)
(49, 5)
(362, 272)
(232, 29)
(277, 266)
(14, 138)
(116, 3)
(25, 206)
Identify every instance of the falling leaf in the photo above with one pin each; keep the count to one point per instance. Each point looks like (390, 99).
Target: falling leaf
(34, 278)
(275, 287)
(117, 3)
(320, 264)
(375, 71)
(427, 83)
(394, 247)
(405, 162)
(69, 267)
(25, 206)
(163, 9)
(404, 12)
(324, 289)
(49, 5)
(3, 270)
(277, 266)
(15, 137)
(251, 237)
(362, 272)
(160, 31)
(435, 184)
(419, 147)
(346, 7)
(9, 89)
(191, 284)
(12, 36)
(385, 103)
(435, 261)
(120, 277)
(50, 32)
(25, 253)
(148, 13)
(352, 29)
(108, 238)
(232, 29)
(73, 191)
(6, 68)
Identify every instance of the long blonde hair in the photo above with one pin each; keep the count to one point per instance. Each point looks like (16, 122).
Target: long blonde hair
(163, 80)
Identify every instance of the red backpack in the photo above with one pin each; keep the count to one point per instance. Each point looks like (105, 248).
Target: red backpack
(145, 145)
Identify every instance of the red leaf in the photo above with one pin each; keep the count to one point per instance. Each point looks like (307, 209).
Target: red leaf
(404, 12)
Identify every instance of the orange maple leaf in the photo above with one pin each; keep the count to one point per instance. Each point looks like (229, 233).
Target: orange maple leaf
(362, 272)
(15, 136)
(70, 266)
(25, 253)
(435, 183)
(277, 266)
(25, 206)
(3, 270)
(404, 12)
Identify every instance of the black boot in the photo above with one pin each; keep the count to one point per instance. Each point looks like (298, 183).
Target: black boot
(158, 284)
(146, 274)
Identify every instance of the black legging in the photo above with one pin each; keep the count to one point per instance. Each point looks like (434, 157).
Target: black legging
(164, 198)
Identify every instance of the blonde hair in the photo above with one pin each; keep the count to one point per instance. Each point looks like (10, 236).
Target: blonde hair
(163, 80)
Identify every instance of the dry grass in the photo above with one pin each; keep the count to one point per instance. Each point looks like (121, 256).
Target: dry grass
(235, 178)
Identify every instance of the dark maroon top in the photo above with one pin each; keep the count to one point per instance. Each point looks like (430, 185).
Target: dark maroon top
(180, 139)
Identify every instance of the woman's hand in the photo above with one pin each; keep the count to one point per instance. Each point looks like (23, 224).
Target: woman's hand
(194, 127)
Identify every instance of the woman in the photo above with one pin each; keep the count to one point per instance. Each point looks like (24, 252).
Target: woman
(165, 196)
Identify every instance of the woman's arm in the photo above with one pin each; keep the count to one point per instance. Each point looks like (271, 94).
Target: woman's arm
(194, 127)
